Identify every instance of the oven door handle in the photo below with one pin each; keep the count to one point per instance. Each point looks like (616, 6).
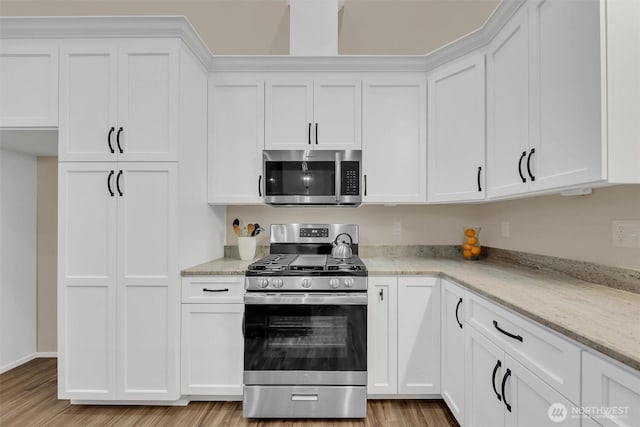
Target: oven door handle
(306, 299)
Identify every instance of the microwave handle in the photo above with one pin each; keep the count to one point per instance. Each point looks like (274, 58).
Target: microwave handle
(338, 175)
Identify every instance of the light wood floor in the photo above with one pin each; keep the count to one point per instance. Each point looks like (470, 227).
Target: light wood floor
(28, 397)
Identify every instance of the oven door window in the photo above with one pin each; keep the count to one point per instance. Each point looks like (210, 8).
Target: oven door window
(315, 178)
(305, 337)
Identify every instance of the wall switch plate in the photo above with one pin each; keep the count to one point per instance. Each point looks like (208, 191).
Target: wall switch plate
(626, 234)
(397, 228)
(505, 229)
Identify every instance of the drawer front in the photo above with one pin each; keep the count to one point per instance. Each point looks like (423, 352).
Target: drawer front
(216, 289)
(610, 388)
(555, 360)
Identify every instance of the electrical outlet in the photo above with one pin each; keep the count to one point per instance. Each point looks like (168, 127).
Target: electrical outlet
(505, 229)
(397, 229)
(626, 234)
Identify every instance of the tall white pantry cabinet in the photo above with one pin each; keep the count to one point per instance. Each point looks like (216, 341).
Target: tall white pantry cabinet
(124, 189)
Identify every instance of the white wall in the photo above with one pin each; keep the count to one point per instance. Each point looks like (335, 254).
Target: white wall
(18, 242)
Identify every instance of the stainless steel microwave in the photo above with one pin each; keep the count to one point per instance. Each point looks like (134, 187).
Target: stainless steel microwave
(312, 177)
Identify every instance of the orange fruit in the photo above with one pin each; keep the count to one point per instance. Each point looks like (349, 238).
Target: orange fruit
(469, 232)
(466, 254)
(475, 251)
(472, 240)
(467, 247)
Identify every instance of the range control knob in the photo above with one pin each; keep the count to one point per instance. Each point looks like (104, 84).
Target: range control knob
(277, 283)
(334, 283)
(306, 283)
(263, 283)
(348, 283)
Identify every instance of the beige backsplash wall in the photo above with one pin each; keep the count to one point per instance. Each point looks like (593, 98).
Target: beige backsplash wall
(243, 27)
(568, 227)
(434, 225)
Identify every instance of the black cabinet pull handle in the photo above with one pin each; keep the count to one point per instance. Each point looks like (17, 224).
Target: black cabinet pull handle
(457, 308)
(118, 183)
(515, 337)
(316, 134)
(365, 184)
(111, 193)
(479, 170)
(260, 186)
(215, 290)
(381, 294)
(493, 380)
(524, 153)
(504, 384)
(118, 140)
(309, 133)
(533, 178)
(109, 139)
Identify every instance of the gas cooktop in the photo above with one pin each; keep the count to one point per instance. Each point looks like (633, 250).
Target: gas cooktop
(306, 265)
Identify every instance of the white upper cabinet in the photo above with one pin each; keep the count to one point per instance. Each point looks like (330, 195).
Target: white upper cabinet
(313, 114)
(118, 101)
(456, 126)
(508, 108)
(565, 94)
(28, 83)
(394, 131)
(236, 140)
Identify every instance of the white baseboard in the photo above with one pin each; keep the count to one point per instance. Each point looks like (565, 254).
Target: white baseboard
(47, 354)
(28, 358)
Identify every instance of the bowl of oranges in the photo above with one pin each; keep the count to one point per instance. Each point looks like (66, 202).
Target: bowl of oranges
(471, 243)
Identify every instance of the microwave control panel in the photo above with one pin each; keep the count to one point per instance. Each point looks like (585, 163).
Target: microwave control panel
(350, 179)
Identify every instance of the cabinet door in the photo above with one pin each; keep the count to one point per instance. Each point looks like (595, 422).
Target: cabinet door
(382, 338)
(605, 385)
(485, 369)
(418, 335)
(212, 349)
(148, 100)
(148, 282)
(88, 101)
(456, 140)
(452, 351)
(289, 115)
(86, 281)
(236, 140)
(566, 102)
(508, 108)
(28, 83)
(394, 126)
(337, 110)
(531, 402)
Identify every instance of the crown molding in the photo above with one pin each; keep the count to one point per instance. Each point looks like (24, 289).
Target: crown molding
(179, 27)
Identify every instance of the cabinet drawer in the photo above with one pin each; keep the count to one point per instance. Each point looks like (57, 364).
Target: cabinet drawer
(552, 358)
(218, 289)
(612, 388)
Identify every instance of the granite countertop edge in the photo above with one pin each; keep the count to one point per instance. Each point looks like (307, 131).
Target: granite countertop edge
(411, 266)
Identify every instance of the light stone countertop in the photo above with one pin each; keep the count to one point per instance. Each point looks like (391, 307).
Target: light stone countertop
(603, 318)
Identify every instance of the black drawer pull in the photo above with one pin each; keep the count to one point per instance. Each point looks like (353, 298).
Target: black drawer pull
(524, 153)
(118, 140)
(479, 170)
(111, 193)
(309, 135)
(533, 178)
(118, 183)
(215, 290)
(260, 186)
(316, 134)
(457, 308)
(109, 139)
(504, 384)
(381, 294)
(509, 334)
(493, 379)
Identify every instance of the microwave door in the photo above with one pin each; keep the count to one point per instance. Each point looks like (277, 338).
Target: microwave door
(300, 182)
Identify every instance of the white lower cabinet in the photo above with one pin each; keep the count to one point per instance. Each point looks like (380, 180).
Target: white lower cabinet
(502, 392)
(612, 389)
(403, 345)
(212, 343)
(452, 372)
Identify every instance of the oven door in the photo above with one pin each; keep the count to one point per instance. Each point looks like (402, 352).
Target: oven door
(305, 339)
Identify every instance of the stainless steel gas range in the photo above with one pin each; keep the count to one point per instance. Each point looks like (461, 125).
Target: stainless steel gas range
(305, 325)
